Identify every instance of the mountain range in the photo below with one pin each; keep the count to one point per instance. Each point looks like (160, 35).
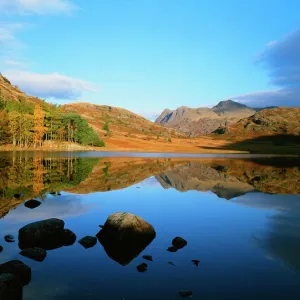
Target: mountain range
(204, 120)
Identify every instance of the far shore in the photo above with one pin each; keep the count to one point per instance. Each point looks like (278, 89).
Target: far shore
(200, 145)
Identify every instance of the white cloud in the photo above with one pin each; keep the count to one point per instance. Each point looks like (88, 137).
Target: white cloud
(8, 41)
(51, 85)
(13, 63)
(281, 59)
(36, 6)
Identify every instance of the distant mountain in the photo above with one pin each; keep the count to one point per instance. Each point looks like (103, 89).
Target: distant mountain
(204, 120)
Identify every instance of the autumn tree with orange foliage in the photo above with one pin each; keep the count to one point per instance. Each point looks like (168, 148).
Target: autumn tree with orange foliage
(39, 128)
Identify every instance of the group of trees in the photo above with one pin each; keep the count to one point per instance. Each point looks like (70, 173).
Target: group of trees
(24, 123)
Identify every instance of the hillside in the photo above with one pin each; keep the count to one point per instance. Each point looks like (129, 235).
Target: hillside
(29, 123)
(203, 120)
(121, 122)
(272, 121)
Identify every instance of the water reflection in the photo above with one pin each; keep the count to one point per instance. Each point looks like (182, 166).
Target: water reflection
(180, 197)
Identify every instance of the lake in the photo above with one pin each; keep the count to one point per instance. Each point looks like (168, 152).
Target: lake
(240, 216)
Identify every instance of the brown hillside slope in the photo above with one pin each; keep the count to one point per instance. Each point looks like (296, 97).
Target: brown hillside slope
(121, 122)
(12, 93)
(280, 120)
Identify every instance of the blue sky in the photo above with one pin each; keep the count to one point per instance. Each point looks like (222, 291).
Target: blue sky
(146, 55)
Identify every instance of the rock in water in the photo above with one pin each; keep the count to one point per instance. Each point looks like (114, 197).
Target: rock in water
(18, 269)
(124, 236)
(179, 242)
(196, 262)
(37, 254)
(17, 196)
(147, 257)
(172, 249)
(186, 293)
(1, 248)
(9, 238)
(88, 242)
(10, 287)
(47, 234)
(69, 237)
(32, 203)
(171, 263)
(142, 267)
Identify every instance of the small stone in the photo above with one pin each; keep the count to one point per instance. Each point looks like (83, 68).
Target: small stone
(172, 249)
(58, 194)
(32, 203)
(179, 242)
(196, 262)
(88, 241)
(147, 257)
(17, 196)
(9, 238)
(1, 248)
(186, 293)
(52, 193)
(171, 263)
(142, 267)
(37, 254)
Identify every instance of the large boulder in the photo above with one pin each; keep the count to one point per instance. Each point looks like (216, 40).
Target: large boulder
(18, 269)
(124, 236)
(10, 287)
(47, 234)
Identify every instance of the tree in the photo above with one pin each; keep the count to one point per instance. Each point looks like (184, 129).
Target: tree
(39, 128)
(105, 127)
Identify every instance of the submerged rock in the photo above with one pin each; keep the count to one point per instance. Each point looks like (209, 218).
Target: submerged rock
(37, 254)
(9, 238)
(18, 269)
(185, 293)
(124, 236)
(10, 287)
(172, 249)
(171, 263)
(32, 203)
(88, 241)
(1, 248)
(47, 234)
(179, 242)
(142, 267)
(147, 257)
(196, 262)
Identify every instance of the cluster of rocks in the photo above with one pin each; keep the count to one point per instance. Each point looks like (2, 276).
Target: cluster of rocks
(123, 236)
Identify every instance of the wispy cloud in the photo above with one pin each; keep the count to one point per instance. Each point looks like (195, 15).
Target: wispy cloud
(13, 63)
(281, 59)
(51, 85)
(37, 6)
(8, 41)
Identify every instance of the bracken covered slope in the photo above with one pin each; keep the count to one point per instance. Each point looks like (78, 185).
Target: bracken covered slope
(121, 122)
(273, 121)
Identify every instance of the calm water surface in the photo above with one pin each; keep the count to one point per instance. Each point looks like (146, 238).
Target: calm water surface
(241, 218)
